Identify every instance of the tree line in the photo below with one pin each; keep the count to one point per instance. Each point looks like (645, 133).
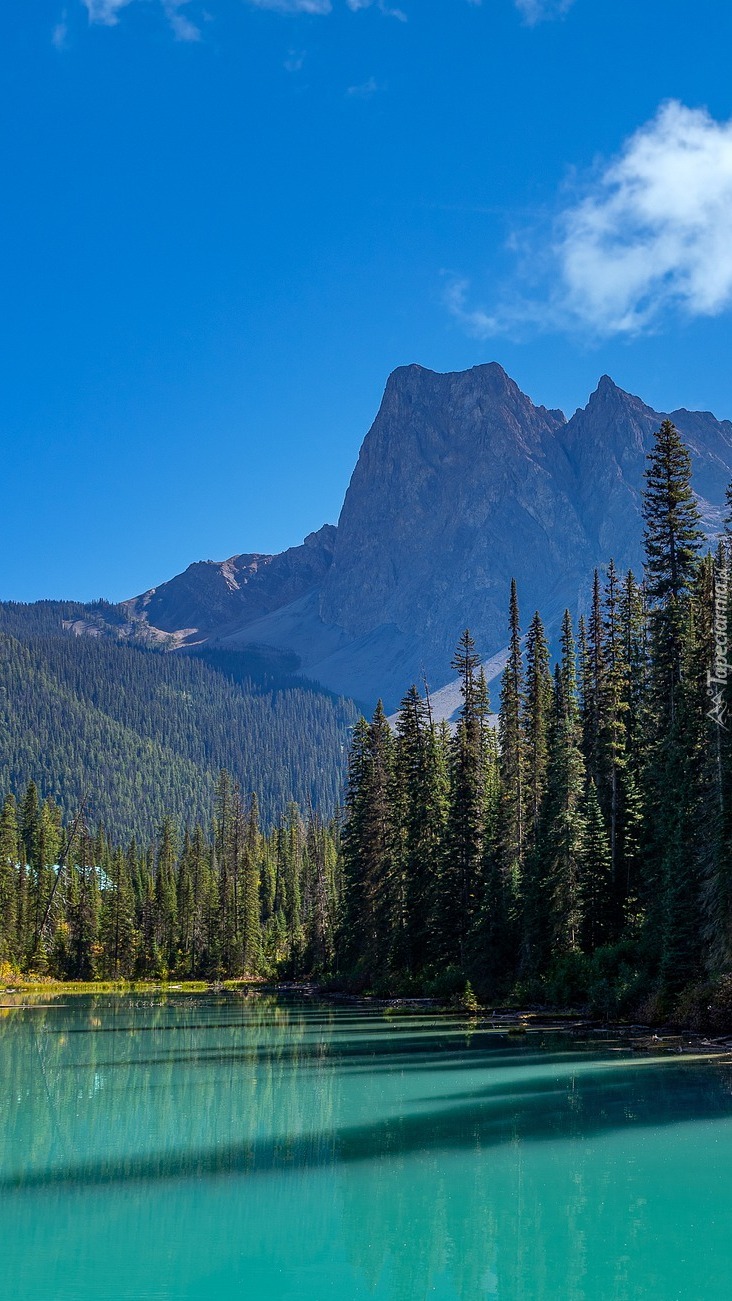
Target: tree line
(231, 900)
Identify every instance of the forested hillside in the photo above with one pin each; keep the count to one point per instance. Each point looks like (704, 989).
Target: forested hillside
(142, 734)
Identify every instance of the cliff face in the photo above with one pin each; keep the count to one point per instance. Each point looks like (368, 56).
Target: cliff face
(462, 483)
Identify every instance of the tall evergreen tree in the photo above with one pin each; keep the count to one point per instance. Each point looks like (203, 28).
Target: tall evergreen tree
(372, 923)
(596, 883)
(461, 879)
(562, 835)
(9, 878)
(512, 751)
(672, 541)
(537, 713)
(252, 932)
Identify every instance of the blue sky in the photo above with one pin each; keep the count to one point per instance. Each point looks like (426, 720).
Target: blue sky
(223, 223)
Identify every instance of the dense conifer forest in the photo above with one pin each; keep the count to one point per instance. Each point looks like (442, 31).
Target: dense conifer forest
(228, 901)
(575, 849)
(141, 734)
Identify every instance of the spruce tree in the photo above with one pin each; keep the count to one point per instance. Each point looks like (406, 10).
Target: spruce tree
(372, 925)
(461, 879)
(421, 808)
(117, 923)
(166, 908)
(596, 882)
(512, 752)
(562, 832)
(252, 932)
(537, 711)
(10, 948)
(672, 541)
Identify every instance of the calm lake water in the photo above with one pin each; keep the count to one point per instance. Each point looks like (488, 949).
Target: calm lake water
(206, 1147)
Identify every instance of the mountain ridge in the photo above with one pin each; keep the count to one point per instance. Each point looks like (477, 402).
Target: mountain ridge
(461, 483)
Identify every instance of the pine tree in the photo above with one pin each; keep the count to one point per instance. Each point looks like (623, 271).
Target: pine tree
(46, 846)
(592, 678)
(537, 713)
(596, 884)
(512, 752)
(10, 949)
(612, 762)
(83, 908)
(372, 925)
(185, 908)
(252, 932)
(672, 540)
(562, 832)
(421, 807)
(166, 909)
(461, 879)
(117, 922)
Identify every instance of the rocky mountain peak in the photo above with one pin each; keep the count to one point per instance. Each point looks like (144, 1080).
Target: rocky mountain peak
(462, 483)
(453, 481)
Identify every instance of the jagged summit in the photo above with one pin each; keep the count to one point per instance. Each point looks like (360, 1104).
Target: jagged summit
(462, 483)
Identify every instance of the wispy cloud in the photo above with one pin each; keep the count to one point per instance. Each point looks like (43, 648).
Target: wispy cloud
(536, 11)
(105, 12)
(649, 233)
(183, 28)
(60, 33)
(295, 60)
(294, 6)
(540, 11)
(365, 90)
(389, 10)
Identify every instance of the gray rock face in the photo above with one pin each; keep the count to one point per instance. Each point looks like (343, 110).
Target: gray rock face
(462, 483)
(210, 595)
(607, 443)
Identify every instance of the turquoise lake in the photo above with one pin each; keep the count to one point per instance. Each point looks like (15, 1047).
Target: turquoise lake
(206, 1147)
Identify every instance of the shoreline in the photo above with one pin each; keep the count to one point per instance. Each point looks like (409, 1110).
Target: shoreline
(514, 1022)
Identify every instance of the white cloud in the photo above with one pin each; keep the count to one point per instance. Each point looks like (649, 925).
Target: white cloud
(655, 228)
(649, 233)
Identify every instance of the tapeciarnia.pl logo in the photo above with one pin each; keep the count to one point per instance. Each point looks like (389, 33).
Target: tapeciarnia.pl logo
(717, 675)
